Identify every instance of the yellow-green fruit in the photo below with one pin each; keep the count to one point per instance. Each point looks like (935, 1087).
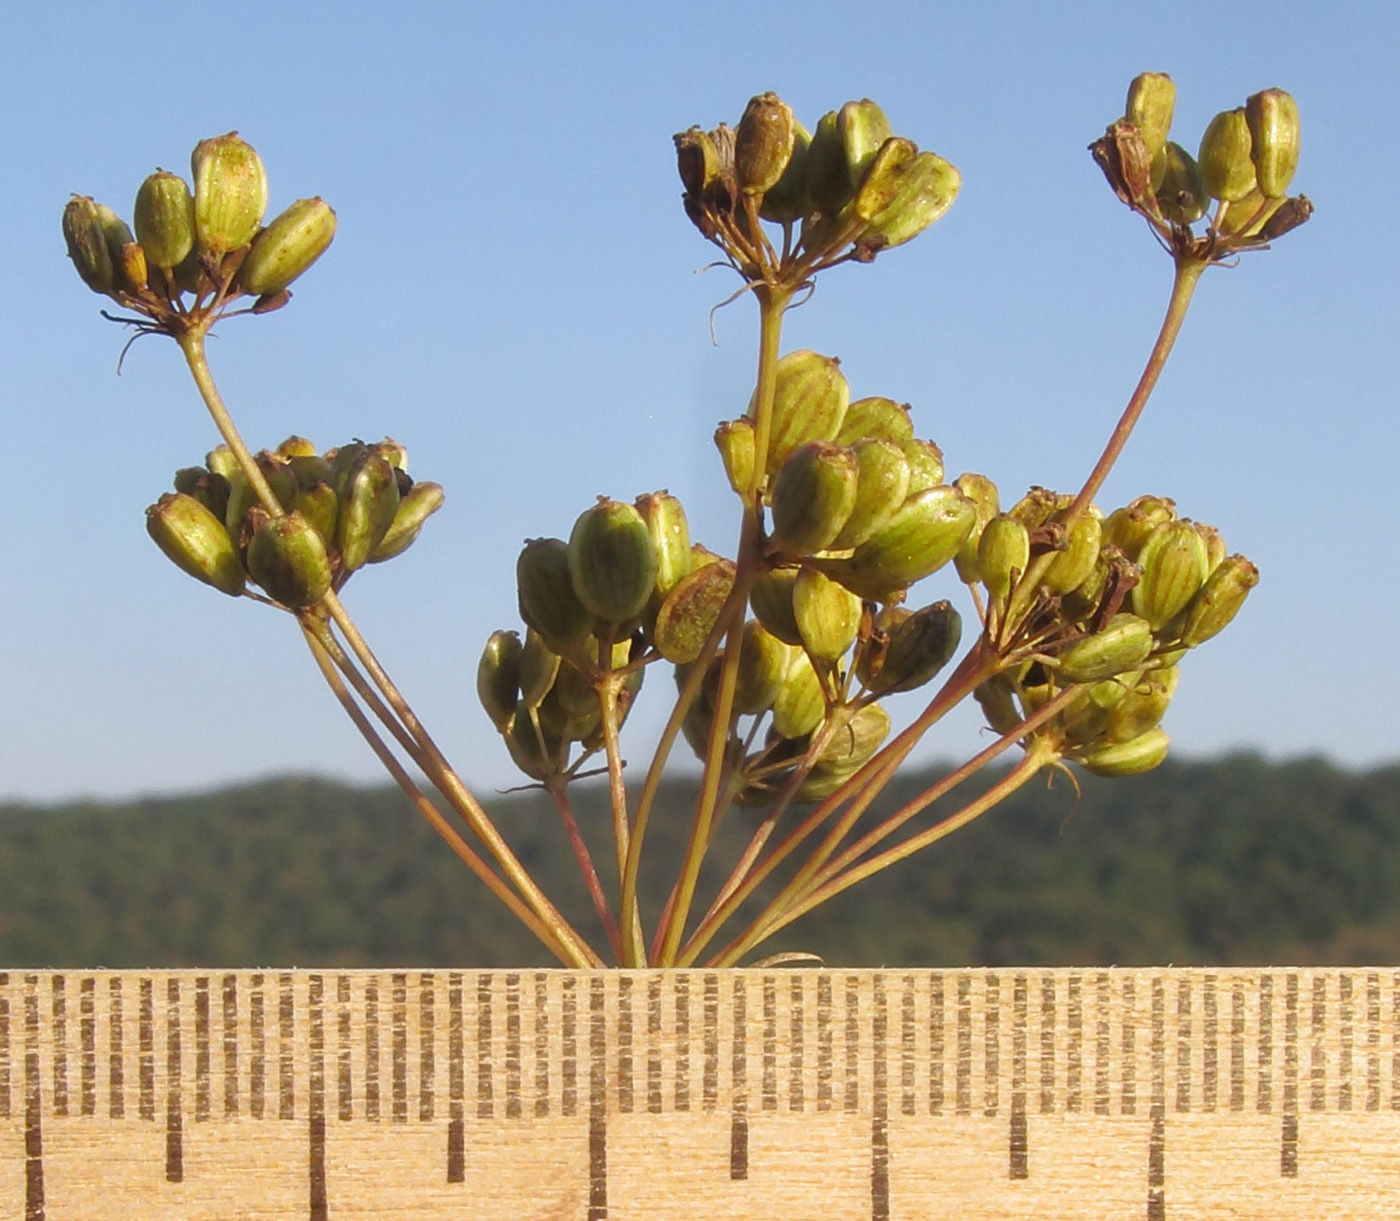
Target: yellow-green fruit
(1227, 169)
(205, 486)
(763, 661)
(196, 541)
(1142, 754)
(734, 440)
(863, 129)
(763, 143)
(987, 501)
(1121, 646)
(923, 535)
(924, 189)
(164, 219)
(828, 176)
(925, 464)
(919, 644)
(546, 594)
(799, 705)
(882, 484)
(771, 600)
(230, 192)
(996, 698)
(689, 612)
(243, 496)
(809, 404)
(612, 560)
(880, 186)
(539, 666)
(288, 559)
(87, 243)
(1037, 507)
(1142, 706)
(1003, 554)
(1151, 103)
(666, 522)
(1075, 564)
(1175, 563)
(855, 741)
(1272, 115)
(287, 247)
(814, 492)
(697, 160)
(369, 502)
(415, 507)
(318, 503)
(1219, 600)
(1180, 194)
(787, 200)
(827, 614)
(876, 418)
(498, 677)
(524, 744)
(1130, 527)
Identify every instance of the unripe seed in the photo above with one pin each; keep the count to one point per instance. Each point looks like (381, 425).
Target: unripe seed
(987, 501)
(997, 700)
(420, 503)
(923, 535)
(855, 741)
(1175, 563)
(1141, 707)
(1219, 600)
(288, 559)
(1227, 171)
(1142, 754)
(882, 484)
(878, 418)
(369, 502)
(787, 200)
(1180, 194)
(1151, 103)
(827, 614)
(287, 247)
(1122, 646)
(1272, 116)
(164, 219)
(763, 143)
(799, 705)
(498, 678)
(920, 645)
(771, 600)
(612, 560)
(763, 661)
(230, 192)
(87, 243)
(665, 520)
(688, 613)
(1075, 564)
(809, 404)
(925, 190)
(1003, 554)
(546, 594)
(734, 440)
(196, 541)
(863, 129)
(1130, 527)
(814, 492)
(925, 464)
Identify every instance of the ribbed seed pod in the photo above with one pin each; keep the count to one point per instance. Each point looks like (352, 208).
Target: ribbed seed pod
(1036, 507)
(1151, 103)
(87, 243)
(164, 219)
(415, 507)
(923, 535)
(925, 190)
(734, 440)
(813, 494)
(799, 706)
(1122, 646)
(827, 614)
(1175, 563)
(1003, 554)
(771, 600)
(1272, 116)
(230, 192)
(1180, 194)
(919, 646)
(665, 520)
(318, 503)
(546, 594)
(498, 677)
(1142, 706)
(288, 559)
(828, 176)
(855, 742)
(287, 247)
(539, 667)
(883, 180)
(786, 200)
(205, 486)
(875, 418)
(195, 540)
(863, 129)
(1142, 754)
(1130, 527)
(242, 496)
(1219, 600)
(763, 661)
(688, 613)
(809, 404)
(1075, 564)
(987, 501)
(882, 485)
(524, 745)
(612, 560)
(369, 502)
(925, 464)
(1227, 170)
(763, 143)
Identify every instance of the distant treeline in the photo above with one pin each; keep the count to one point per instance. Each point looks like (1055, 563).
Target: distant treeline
(1236, 861)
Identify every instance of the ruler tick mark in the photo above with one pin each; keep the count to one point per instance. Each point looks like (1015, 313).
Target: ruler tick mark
(597, 1100)
(880, 1107)
(116, 1097)
(201, 1048)
(174, 1111)
(33, 1106)
(456, 1084)
(146, 1041)
(654, 1045)
(541, 1044)
(796, 1017)
(682, 1003)
(739, 1106)
(230, 1018)
(427, 1050)
(87, 1023)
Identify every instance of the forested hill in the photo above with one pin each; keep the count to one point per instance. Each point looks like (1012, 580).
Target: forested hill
(1233, 861)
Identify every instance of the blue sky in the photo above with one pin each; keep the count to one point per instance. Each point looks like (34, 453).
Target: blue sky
(513, 294)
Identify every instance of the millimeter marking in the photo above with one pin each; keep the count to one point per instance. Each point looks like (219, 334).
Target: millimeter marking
(1271, 1092)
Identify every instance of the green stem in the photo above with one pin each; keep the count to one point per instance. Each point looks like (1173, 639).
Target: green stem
(1188, 275)
(772, 302)
(633, 945)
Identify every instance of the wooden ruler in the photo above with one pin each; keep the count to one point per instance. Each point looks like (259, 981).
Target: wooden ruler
(772, 1094)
